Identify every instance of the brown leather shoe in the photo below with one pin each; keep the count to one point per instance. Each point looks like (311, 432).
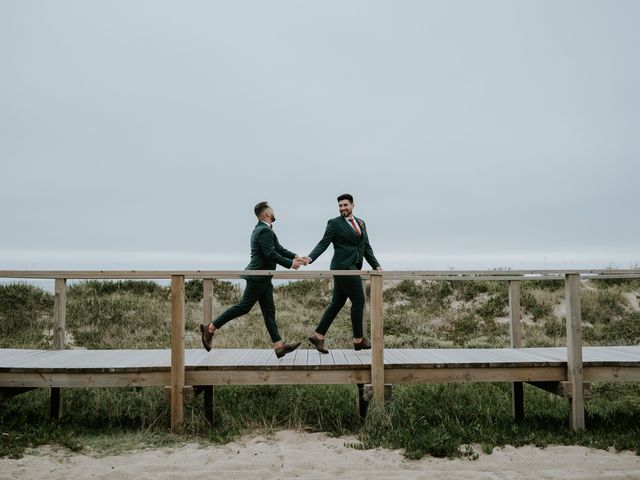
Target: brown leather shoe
(286, 348)
(207, 336)
(319, 344)
(363, 345)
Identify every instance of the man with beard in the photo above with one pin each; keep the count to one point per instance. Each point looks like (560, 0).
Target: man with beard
(266, 251)
(351, 245)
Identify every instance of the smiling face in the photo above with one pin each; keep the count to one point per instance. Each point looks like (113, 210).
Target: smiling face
(346, 208)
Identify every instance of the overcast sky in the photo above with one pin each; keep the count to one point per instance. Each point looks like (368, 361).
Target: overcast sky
(472, 134)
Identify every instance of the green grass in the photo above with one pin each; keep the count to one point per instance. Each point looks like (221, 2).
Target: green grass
(437, 420)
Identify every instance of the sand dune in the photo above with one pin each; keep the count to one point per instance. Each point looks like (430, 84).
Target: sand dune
(315, 456)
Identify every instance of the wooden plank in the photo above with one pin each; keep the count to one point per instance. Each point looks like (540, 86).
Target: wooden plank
(250, 358)
(207, 300)
(515, 331)
(468, 275)
(611, 374)
(574, 352)
(58, 340)
(472, 375)
(327, 359)
(224, 357)
(59, 313)
(262, 358)
(352, 357)
(302, 357)
(390, 357)
(278, 377)
(377, 339)
(177, 352)
(314, 358)
(88, 380)
(515, 323)
(339, 357)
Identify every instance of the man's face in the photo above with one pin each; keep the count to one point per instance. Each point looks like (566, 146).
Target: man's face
(346, 208)
(271, 215)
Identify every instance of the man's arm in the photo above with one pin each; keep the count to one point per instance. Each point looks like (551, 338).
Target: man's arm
(281, 250)
(369, 256)
(323, 244)
(268, 247)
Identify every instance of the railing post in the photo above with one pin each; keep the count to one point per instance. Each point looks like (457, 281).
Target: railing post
(177, 352)
(377, 338)
(574, 352)
(515, 327)
(58, 340)
(207, 300)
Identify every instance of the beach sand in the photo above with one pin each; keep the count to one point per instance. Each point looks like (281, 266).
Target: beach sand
(290, 454)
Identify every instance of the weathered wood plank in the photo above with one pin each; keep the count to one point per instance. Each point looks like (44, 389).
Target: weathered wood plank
(470, 375)
(278, 377)
(177, 352)
(377, 339)
(302, 357)
(574, 352)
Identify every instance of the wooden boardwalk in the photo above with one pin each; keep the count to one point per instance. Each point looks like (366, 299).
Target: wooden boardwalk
(566, 371)
(21, 368)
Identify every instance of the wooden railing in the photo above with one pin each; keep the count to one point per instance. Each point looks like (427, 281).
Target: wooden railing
(513, 277)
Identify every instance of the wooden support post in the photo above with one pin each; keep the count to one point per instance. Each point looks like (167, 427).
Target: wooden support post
(207, 317)
(207, 300)
(58, 340)
(208, 403)
(177, 352)
(363, 402)
(377, 338)
(574, 352)
(515, 323)
(366, 318)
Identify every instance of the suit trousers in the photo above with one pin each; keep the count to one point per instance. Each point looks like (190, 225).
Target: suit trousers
(260, 291)
(343, 288)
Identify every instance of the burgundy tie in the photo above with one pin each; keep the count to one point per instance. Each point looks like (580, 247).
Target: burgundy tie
(353, 222)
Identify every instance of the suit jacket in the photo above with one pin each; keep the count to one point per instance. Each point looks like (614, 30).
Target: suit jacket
(349, 248)
(266, 251)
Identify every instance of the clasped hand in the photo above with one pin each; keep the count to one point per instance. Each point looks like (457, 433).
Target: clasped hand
(300, 261)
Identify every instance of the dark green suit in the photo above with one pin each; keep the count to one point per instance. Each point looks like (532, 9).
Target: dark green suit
(266, 252)
(349, 251)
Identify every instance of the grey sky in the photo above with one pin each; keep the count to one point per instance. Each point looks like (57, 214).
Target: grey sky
(472, 134)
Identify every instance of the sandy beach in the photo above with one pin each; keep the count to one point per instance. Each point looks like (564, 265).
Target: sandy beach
(292, 454)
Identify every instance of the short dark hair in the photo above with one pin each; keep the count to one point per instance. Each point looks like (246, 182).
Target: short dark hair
(260, 208)
(346, 196)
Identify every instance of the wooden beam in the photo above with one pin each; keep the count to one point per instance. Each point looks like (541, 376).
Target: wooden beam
(177, 352)
(377, 338)
(515, 327)
(473, 374)
(58, 339)
(84, 380)
(611, 374)
(574, 352)
(207, 300)
(277, 377)
(391, 275)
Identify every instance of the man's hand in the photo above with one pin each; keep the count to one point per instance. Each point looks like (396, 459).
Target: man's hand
(379, 268)
(297, 263)
(305, 261)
